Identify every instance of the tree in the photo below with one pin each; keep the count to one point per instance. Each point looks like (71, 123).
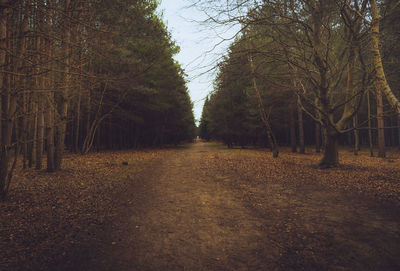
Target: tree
(380, 77)
(204, 121)
(88, 75)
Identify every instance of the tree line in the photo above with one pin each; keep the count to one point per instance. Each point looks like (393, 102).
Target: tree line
(84, 75)
(307, 72)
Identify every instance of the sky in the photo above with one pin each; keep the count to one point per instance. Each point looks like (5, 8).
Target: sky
(197, 53)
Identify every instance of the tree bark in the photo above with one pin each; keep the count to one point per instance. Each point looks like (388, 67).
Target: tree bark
(4, 121)
(64, 98)
(398, 132)
(40, 116)
(292, 123)
(398, 128)
(381, 124)
(50, 132)
(23, 80)
(271, 137)
(77, 122)
(356, 135)
(8, 108)
(317, 137)
(25, 121)
(32, 133)
(380, 78)
(301, 129)
(331, 150)
(370, 141)
(88, 119)
(50, 105)
(40, 135)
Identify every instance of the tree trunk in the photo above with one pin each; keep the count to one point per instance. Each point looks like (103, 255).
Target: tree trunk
(301, 129)
(317, 137)
(271, 137)
(398, 132)
(77, 122)
(4, 157)
(25, 121)
(50, 132)
(50, 112)
(292, 123)
(40, 135)
(331, 150)
(33, 134)
(356, 135)
(393, 123)
(381, 124)
(398, 128)
(23, 80)
(351, 89)
(371, 144)
(8, 109)
(40, 116)
(88, 121)
(63, 101)
(380, 78)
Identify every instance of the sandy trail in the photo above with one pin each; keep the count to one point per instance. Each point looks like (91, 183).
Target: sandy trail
(184, 216)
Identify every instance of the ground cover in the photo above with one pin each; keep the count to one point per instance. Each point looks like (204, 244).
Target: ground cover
(204, 207)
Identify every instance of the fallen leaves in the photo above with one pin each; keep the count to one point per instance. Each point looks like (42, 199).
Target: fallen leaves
(63, 216)
(364, 174)
(50, 215)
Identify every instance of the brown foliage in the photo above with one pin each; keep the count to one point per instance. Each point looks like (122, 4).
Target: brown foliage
(58, 221)
(363, 174)
(65, 215)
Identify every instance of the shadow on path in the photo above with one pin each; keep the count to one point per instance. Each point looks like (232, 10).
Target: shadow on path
(183, 215)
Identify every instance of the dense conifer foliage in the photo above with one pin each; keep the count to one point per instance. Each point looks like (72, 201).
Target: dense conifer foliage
(86, 75)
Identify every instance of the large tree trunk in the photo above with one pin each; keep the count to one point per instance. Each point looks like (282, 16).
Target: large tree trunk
(331, 150)
(380, 78)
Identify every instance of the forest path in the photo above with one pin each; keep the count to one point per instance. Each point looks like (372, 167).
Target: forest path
(184, 215)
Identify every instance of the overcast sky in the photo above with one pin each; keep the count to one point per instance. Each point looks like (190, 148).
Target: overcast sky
(197, 44)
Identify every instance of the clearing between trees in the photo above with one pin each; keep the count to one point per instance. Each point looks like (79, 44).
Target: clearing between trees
(204, 207)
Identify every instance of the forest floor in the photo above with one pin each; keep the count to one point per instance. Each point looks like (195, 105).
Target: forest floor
(204, 207)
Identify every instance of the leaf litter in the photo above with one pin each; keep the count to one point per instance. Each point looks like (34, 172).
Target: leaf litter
(60, 217)
(49, 215)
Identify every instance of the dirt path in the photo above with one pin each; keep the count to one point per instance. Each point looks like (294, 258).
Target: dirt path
(182, 215)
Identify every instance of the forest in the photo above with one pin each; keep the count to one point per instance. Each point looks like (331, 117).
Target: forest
(299, 73)
(105, 163)
(86, 75)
